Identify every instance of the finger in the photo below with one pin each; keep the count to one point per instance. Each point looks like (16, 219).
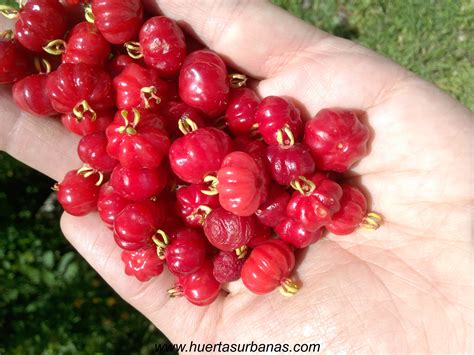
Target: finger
(40, 142)
(176, 317)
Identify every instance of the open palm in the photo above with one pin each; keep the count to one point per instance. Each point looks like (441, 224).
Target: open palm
(405, 288)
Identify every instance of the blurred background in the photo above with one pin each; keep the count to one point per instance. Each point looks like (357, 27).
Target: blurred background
(52, 302)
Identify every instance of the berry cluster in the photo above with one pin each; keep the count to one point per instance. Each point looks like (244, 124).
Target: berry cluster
(183, 162)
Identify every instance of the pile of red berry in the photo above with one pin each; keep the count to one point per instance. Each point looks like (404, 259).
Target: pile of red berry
(185, 165)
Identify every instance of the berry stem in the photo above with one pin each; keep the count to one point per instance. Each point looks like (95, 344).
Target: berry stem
(42, 65)
(237, 80)
(88, 14)
(55, 47)
(372, 221)
(186, 125)
(9, 12)
(7, 34)
(213, 182)
(241, 252)
(303, 185)
(202, 211)
(288, 288)
(290, 138)
(133, 50)
(149, 93)
(81, 108)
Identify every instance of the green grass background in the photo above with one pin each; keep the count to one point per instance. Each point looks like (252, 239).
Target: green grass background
(52, 302)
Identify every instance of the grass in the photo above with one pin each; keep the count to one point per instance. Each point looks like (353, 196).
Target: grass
(52, 302)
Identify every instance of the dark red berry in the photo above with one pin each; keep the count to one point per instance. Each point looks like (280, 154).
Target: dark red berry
(143, 263)
(337, 139)
(193, 205)
(242, 186)
(39, 22)
(139, 87)
(279, 121)
(118, 20)
(200, 287)
(139, 184)
(287, 163)
(77, 193)
(186, 251)
(31, 96)
(81, 89)
(118, 63)
(254, 147)
(261, 235)
(268, 266)
(92, 151)
(203, 82)
(227, 266)
(352, 212)
(227, 231)
(273, 210)
(163, 45)
(199, 153)
(240, 113)
(15, 63)
(176, 113)
(86, 45)
(315, 204)
(110, 204)
(87, 124)
(294, 233)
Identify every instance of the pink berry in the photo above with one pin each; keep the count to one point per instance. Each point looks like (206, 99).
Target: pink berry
(352, 211)
(273, 210)
(143, 263)
(240, 113)
(138, 184)
(200, 287)
(139, 87)
(315, 204)
(39, 22)
(199, 153)
(337, 139)
(118, 20)
(287, 164)
(30, 95)
(203, 82)
(87, 124)
(163, 45)
(110, 204)
(92, 151)
(242, 186)
(227, 266)
(227, 231)
(194, 206)
(294, 233)
(279, 121)
(77, 193)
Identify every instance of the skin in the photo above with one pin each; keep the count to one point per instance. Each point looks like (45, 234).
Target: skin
(403, 289)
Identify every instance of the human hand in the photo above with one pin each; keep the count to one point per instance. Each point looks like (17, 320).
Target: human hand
(399, 289)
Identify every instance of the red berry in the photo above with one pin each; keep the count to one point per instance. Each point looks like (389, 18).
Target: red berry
(92, 151)
(352, 211)
(163, 45)
(315, 204)
(39, 22)
(77, 193)
(294, 233)
(143, 263)
(138, 222)
(176, 112)
(227, 266)
(118, 63)
(110, 204)
(273, 210)
(242, 186)
(268, 266)
(15, 63)
(337, 139)
(137, 146)
(118, 20)
(287, 163)
(194, 206)
(86, 45)
(144, 118)
(139, 87)
(254, 147)
(87, 125)
(31, 96)
(186, 251)
(261, 235)
(279, 121)
(203, 82)
(240, 113)
(139, 184)
(200, 287)
(227, 231)
(199, 153)
(80, 88)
